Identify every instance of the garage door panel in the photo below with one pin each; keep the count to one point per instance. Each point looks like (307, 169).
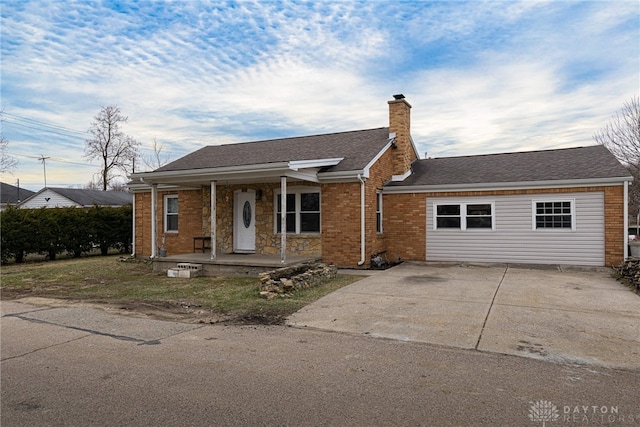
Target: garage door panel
(514, 240)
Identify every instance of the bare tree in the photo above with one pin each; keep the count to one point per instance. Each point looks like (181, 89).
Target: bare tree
(7, 163)
(116, 150)
(622, 134)
(157, 159)
(622, 137)
(93, 185)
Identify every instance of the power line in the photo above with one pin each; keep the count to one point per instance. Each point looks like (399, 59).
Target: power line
(41, 123)
(61, 133)
(41, 126)
(52, 159)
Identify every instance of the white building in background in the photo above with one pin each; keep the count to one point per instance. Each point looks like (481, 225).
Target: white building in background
(75, 197)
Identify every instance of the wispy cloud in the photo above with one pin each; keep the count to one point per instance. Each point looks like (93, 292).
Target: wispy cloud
(482, 76)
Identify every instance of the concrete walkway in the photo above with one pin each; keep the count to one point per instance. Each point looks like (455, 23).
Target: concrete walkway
(564, 315)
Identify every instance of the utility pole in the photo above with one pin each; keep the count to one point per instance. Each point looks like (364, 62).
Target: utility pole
(43, 159)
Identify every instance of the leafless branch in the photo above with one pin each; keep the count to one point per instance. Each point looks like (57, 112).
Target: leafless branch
(158, 158)
(110, 144)
(7, 163)
(622, 137)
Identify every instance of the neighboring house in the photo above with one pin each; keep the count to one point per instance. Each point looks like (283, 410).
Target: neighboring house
(347, 196)
(12, 195)
(74, 197)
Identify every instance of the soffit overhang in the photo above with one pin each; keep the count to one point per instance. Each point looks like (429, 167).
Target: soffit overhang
(303, 170)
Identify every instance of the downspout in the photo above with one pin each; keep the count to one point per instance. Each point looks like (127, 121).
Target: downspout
(362, 230)
(625, 221)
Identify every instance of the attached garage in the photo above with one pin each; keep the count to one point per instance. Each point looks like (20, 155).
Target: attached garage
(563, 206)
(564, 228)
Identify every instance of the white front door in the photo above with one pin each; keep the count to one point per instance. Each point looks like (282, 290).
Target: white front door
(244, 227)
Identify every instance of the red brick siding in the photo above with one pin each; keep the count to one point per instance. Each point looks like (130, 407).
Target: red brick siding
(614, 232)
(405, 226)
(400, 123)
(341, 223)
(379, 174)
(142, 219)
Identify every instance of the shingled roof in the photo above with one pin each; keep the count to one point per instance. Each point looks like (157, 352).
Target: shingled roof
(88, 198)
(594, 162)
(357, 148)
(95, 197)
(12, 194)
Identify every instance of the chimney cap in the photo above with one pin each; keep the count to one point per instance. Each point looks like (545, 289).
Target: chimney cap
(398, 96)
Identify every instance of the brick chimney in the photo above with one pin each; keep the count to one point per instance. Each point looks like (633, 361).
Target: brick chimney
(400, 123)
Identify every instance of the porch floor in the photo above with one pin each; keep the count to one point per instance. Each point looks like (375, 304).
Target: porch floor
(231, 264)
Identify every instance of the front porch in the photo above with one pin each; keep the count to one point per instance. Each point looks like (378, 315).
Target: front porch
(230, 264)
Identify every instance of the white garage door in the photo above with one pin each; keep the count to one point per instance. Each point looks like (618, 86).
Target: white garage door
(562, 228)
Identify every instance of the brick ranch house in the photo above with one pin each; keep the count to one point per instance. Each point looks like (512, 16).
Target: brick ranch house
(344, 197)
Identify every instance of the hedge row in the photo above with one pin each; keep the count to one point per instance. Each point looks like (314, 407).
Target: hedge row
(63, 230)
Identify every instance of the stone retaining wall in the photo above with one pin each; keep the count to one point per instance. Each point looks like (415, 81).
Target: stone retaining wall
(284, 281)
(630, 270)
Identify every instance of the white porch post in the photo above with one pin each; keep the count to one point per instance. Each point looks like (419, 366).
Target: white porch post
(133, 226)
(213, 221)
(154, 223)
(283, 219)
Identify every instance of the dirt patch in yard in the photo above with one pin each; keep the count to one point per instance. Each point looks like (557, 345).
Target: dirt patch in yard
(174, 311)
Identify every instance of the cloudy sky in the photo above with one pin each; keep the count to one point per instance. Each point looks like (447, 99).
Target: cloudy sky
(482, 77)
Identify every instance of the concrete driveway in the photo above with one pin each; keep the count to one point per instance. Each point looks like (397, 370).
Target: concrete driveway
(551, 313)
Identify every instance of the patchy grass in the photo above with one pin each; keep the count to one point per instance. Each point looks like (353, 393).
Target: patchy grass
(134, 286)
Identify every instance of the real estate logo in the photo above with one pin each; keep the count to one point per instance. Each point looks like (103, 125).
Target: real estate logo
(543, 411)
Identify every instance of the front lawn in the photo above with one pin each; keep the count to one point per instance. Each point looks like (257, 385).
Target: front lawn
(133, 286)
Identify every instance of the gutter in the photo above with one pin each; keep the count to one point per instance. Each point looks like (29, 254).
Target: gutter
(496, 186)
(362, 229)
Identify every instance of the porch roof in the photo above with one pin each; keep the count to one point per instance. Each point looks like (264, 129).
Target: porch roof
(315, 158)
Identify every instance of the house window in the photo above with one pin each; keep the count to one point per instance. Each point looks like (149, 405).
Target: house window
(479, 216)
(464, 216)
(448, 216)
(303, 210)
(291, 211)
(554, 214)
(171, 214)
(379, 212)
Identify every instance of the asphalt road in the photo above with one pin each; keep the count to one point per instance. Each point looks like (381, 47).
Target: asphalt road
(80, 366)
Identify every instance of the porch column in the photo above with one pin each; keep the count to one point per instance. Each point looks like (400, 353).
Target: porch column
(283, 219)
(133, 226)
(213, 221)
(154, 223)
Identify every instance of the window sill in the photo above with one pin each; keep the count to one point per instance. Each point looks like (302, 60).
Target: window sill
(554, 230)
(468, 230)
(301, 234)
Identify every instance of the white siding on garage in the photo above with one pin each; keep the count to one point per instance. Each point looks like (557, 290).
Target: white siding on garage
(40, 201)
(514, 239)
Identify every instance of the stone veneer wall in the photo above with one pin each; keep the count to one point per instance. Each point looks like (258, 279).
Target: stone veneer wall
(284, 281)
(267, 241)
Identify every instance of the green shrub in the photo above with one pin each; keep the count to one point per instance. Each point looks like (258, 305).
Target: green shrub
(58, 230)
